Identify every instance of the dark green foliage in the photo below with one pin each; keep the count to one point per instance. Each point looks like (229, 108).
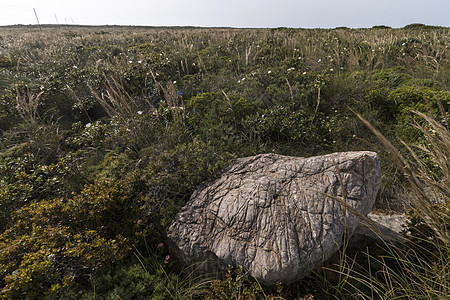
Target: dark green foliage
(299, 128)
(171, 175)
(394, 105)
(8, 113)
(216, 116)
(418, 26)
(388, 78)
(423, 238)
(153, 276)
(25, 180)
(236, 285)
(381, 27)
(7, 61)
(128, 282)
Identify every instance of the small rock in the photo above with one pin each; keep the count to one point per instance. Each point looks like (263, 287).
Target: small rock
(379, 229)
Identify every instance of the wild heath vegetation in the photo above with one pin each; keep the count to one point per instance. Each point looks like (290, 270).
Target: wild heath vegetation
(418, 268)
(105, 132)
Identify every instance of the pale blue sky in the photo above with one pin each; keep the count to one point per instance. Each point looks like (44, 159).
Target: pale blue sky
(233, 13)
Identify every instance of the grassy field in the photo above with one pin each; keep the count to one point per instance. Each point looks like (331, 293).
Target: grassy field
(106, 131)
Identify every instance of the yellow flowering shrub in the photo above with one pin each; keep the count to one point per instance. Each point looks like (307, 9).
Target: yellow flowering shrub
(53, 243)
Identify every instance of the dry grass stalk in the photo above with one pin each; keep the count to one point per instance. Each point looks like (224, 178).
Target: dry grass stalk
(290, 90)
(27, 105)
(406, 273)
(118, 103)
(418, 178)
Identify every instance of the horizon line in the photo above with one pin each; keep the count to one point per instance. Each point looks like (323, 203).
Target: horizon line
(221, 27)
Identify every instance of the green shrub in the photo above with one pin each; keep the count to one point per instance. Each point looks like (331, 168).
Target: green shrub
(238, 284)
(133, 281)
(280, 124)
(153, 276)
(23, 181)
(220, 120)
(7, 61)
(419, 26)
(388, 78)
(53, 243)
(395, 105)
(172, 174)
(8, 112)
(213, 111)
(381, 27)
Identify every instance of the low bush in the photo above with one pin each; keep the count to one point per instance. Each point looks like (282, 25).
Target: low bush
(53, 243)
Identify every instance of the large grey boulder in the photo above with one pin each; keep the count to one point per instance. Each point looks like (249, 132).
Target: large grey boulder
(272, 214)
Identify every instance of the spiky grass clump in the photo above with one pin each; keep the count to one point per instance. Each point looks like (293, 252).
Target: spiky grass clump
(420, 267)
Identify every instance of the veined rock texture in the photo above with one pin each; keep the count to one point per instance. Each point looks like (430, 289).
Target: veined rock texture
(269, 213)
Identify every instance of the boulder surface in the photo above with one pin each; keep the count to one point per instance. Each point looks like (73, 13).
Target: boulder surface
(277, 216)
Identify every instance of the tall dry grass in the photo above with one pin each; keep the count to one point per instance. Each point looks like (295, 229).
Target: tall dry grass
(420, 267)
(27, 104)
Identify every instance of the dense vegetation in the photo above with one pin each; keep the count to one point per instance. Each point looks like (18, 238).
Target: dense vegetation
(105, 133)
